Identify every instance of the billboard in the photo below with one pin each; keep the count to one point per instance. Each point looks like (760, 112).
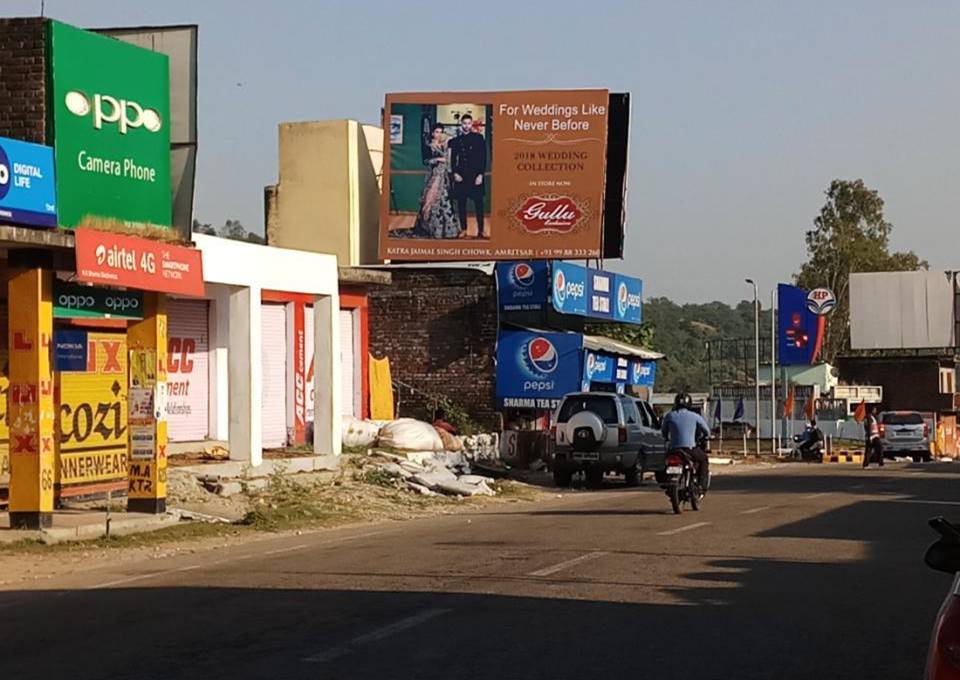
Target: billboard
(535, 370)
(27, 190)
(110, 105)
(902, 310)
(522, 286)
(494, 175)
(629, 300)
(799, 330)
(568, 291)
(179, 43)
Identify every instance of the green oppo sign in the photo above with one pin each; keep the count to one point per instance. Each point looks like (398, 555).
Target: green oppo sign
(110, 103)
(71, 301)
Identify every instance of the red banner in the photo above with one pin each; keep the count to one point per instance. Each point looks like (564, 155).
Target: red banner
(118, 260)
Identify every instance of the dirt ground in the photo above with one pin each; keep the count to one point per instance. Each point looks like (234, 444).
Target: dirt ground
(288, 504)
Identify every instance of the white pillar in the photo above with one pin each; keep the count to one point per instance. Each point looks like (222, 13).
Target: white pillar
(219, 338)
(246, 376)
(326, 375)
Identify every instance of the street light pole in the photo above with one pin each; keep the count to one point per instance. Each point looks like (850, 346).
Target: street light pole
(756, 358)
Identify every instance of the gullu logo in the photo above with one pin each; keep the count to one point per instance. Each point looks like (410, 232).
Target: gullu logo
(126, 114)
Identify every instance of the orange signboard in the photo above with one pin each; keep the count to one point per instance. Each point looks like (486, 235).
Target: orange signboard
(494, 175)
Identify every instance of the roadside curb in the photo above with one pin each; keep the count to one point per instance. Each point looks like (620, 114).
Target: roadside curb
(118, 527)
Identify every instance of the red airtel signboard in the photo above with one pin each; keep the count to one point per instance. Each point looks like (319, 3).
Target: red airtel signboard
(118, 260)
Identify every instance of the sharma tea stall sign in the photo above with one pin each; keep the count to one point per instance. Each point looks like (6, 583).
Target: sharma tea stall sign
(110, 105)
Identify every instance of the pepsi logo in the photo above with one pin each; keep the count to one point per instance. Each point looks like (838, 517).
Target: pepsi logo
(622, 298)
(560, 286)
(591, 364)
(821, 301)
(542, 356)
(522, 274)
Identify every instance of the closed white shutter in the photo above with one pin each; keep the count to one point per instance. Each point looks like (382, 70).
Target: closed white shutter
(188, 378)
(348, 382)
(274, 363)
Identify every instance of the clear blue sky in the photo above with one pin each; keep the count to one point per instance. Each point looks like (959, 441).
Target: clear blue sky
(742, 111)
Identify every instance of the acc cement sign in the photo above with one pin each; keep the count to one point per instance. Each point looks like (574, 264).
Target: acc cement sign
(111, 120)
(27, 194)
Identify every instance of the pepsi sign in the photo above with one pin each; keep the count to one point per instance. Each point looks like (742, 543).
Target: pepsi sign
(599, 368)
(628, 306)
(569, 288)
(535, 370)
(643, 373)
(522, 286)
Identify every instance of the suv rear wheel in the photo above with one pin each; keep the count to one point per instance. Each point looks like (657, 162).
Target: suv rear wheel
(594, 477)
(562, 477)
(632, 475)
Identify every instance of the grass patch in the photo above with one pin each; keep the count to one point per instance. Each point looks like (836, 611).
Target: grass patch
(149, 539)
(377, 477)
(287, 504)
(507, 488)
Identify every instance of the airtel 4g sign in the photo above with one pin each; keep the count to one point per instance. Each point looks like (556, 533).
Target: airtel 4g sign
(111, 106)
(71, 301)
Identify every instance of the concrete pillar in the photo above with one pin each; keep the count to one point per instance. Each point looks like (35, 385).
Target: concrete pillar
(219, 419)
(30, 411)
(326, 373)
(147, 387)
(246, 376)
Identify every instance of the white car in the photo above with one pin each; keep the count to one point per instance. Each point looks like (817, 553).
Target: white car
(905, 432)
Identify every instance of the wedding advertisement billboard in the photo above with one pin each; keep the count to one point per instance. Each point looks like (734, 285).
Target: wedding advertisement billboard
(494, 175)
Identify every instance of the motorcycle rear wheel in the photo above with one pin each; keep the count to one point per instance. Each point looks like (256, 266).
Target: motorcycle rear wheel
(674, 494)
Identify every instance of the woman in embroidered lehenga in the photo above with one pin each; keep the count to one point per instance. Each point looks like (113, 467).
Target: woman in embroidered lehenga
(438, 216)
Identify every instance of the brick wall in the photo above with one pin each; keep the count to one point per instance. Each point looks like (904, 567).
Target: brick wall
(439, 328)
(23, 49)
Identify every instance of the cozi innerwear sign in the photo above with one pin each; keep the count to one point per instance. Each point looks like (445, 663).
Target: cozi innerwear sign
(111, 110)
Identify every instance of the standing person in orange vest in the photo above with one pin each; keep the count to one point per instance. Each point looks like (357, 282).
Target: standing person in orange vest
(872, 445)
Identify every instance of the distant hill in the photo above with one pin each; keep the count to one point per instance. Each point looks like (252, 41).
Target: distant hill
(681, 332)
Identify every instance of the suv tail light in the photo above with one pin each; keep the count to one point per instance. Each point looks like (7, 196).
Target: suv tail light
(674, 460)
(553, 432)
(622, 434)
(926, 429)
(883, 430)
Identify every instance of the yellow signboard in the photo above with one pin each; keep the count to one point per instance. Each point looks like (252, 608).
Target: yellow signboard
(93, 425)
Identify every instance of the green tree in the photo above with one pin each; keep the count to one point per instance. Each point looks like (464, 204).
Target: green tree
(849, 235)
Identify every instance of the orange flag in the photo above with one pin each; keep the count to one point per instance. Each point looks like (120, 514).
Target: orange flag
(810, 409)
(788, 405)
(861, 413)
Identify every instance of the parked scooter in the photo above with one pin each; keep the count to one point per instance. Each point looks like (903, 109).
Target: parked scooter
(680, 480)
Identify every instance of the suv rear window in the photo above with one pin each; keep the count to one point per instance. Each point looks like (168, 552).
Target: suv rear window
(902, 419)
(605, 407)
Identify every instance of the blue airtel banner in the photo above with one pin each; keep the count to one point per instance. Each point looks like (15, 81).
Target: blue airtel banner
(522, 286)
(799, 330)
(600, 293)
(628, 307)
(569, 289)
(535, 370)
(27, 187)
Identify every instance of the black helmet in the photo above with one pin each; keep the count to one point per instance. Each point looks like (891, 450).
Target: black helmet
(683, 400)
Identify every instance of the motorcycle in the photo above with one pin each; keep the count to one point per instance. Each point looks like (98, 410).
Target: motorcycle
(680, 480)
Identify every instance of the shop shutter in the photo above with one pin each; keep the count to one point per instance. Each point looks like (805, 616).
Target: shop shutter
(188, 377)
(274, 362)
(348, 383)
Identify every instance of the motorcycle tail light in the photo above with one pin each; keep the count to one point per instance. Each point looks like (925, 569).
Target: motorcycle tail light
(945, 655)
(674, 460)
(622, 434)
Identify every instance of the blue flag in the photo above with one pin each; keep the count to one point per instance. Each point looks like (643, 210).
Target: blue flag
(717, 413)
(738, 414)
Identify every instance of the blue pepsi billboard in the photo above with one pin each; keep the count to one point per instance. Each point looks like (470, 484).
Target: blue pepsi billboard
(599, 367)
(643, 373)
(27, 184)
(522, 286)
(600, 292)
(628, 300)
(535, 370)
(569, 288)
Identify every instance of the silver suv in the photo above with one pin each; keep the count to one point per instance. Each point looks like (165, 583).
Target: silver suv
(905, 432)
(599, 432)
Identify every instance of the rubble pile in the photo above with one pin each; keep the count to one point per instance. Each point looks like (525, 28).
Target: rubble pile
(445, 472)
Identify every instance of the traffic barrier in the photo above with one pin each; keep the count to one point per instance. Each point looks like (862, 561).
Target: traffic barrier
(844, 456)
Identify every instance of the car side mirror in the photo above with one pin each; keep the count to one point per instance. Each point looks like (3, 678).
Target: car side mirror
(944, 555)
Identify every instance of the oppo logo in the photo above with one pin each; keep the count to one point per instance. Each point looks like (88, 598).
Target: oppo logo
(121, 304)
(106, 109)
(76, 301)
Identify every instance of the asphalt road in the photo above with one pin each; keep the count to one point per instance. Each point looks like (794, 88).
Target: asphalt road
(799, 572)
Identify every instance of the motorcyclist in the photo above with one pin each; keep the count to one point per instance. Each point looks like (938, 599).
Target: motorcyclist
(682, 427)
(811, 441)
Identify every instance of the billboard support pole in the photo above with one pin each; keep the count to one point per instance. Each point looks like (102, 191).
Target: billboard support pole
(774, 440)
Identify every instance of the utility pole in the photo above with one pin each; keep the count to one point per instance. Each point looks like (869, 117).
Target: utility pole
(756, 358)
(775, 444)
